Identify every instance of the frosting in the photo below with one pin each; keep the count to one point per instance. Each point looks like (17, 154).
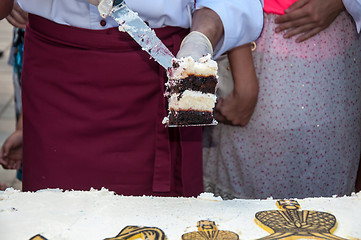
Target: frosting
(184, 67)
(94, 215)
(192, 100)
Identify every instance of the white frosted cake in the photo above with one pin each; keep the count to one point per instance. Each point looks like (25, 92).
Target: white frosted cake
(191, 91)
(76, 215)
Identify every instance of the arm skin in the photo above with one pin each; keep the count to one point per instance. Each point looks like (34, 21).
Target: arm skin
(308, 18)
(237, 108)
(5, 8)
(209, 23)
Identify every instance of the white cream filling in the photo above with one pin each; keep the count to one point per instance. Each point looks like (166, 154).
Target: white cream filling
(192, 100)
(187, 66)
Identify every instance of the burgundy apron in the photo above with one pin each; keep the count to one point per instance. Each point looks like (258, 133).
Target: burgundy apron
(93, 105)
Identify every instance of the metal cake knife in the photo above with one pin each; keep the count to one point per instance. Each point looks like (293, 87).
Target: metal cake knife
(131, 23)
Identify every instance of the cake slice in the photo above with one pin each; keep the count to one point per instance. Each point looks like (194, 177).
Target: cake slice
(190, 91)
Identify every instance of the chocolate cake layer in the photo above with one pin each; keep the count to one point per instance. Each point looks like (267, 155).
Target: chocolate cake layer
(195, 83)
(190, 117)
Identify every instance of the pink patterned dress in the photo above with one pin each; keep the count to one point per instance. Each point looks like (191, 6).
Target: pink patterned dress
(304, 137)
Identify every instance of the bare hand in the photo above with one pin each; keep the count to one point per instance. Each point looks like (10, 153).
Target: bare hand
(18, 18)
(11, 153)
(308, 17)
(237, 108)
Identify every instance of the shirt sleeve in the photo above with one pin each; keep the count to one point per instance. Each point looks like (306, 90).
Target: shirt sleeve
(242, 21)
(354, 8)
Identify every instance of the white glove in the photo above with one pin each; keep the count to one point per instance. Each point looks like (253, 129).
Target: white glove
(104, 6)
(196, 45)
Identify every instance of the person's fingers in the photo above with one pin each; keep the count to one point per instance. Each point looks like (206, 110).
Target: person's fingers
(21, 12)
(1, 153)
(3, 186)
(19, 17)
(10, 164)
(289, 17)
(13, 21)
(5, 149)
(309, 34)
(3, 162)
(18, 165)
(292, 24)
(238, 122)
(224, 116)
(5, 165)
(296, 5)
(219, 104)
(218, 111)
(13, 164)
(299, 30)
(220, 118)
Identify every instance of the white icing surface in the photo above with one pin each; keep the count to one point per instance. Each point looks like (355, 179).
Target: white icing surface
(95, 215)
(187, 66)
(193, 100)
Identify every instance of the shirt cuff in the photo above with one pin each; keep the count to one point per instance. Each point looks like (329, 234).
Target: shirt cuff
(242, 22)
(354, 9)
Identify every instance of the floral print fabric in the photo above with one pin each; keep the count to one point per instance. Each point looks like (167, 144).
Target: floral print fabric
(304, 137)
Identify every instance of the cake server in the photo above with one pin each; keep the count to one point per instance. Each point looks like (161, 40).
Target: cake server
(131, 23)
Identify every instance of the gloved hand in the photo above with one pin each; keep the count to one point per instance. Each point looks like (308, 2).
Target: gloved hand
(196, 45)
(104, 6)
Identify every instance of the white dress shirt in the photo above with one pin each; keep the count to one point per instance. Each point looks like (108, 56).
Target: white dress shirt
(354, 8)
(242, 20)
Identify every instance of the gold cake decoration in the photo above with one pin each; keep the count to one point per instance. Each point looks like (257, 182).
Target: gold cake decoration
(287, 223)
(207, 230)
(136, 232)
(291, 223)
(38, 237)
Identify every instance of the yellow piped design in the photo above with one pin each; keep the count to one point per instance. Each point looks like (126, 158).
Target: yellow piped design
(207, 230)
(38, 237)
(144, 233)
(291, 223)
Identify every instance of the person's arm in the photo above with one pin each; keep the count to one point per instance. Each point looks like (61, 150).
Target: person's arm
(209, 23)
(237, 108)
(308, 18)
(206, 30)
(5, 8)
